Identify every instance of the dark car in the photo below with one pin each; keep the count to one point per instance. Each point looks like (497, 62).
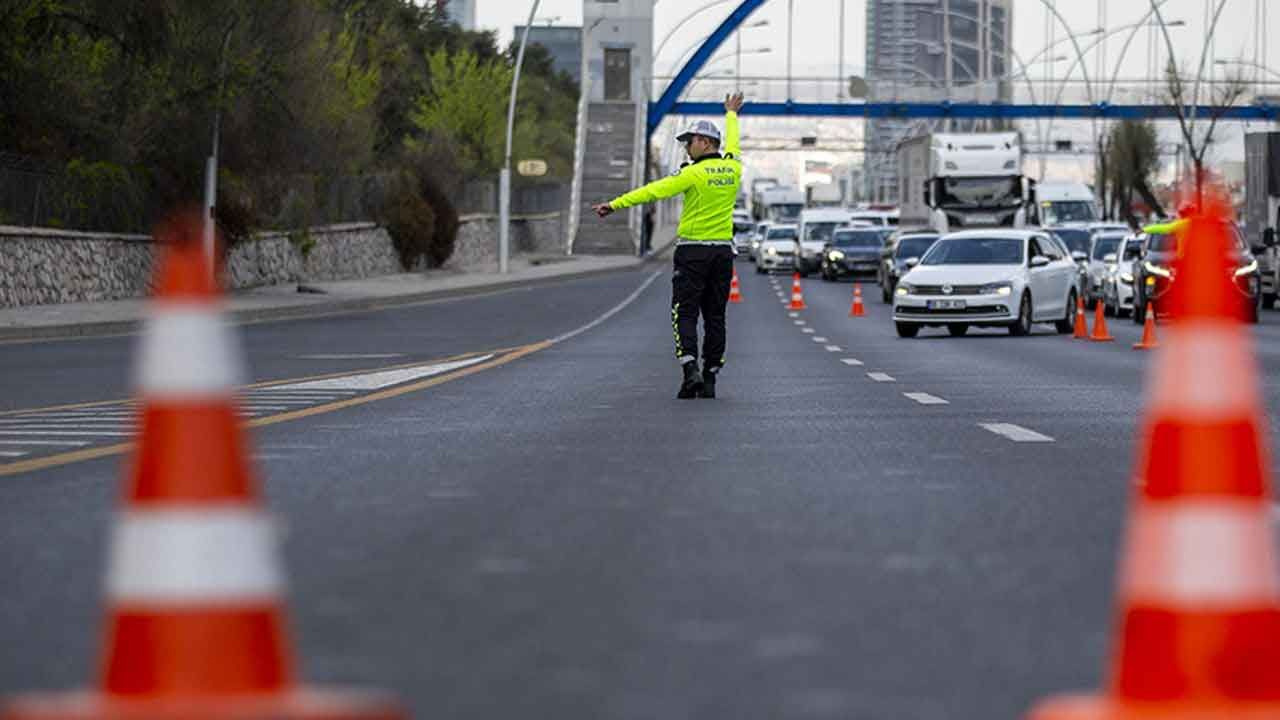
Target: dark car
(852, 252)
(1153, 276)
(901, 253)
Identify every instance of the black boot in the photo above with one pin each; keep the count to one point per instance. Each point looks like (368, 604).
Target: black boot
(692, 384)
(708, 383)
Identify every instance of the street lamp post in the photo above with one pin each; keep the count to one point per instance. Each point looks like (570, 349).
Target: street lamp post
(211, 166)
(504, 176)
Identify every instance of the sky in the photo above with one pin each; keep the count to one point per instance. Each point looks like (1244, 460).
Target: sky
(816, 52)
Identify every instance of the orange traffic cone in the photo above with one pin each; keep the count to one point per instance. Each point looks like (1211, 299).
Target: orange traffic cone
(1082, 326)
(735, 293)
(857, 310)
(797, 297)
(1199, 596)
(195, 615)
(1148, 331)
(1100, 332)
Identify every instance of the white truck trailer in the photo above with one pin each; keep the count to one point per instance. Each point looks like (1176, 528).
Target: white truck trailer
(1262, 207)
(779, 205)
(954, 181)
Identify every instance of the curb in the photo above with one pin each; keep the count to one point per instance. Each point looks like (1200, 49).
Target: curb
(293, 312)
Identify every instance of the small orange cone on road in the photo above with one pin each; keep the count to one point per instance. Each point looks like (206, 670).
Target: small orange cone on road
(1199, 597)
(797, 297)
(196, 626)
(735, 292)
(1100, 332)
(1082, 326)
(857, 310)
(1148, 331)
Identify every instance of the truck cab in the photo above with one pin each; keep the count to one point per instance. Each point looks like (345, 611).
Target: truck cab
(1262, 208)
(967, 180)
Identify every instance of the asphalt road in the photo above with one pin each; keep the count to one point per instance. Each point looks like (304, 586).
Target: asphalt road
(840, 534)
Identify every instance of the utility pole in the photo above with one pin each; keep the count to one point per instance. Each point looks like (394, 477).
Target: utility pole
(948, 74)
(211, 165)
(840, 85)
(791, 13)
(504, 176)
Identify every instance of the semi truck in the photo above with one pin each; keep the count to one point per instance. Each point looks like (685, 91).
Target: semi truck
(779, 205)
(954, 181)
(824, 195)
(1262, 207)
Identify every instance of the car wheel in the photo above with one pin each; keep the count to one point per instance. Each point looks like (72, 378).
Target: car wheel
(1068, 322)
(958, 329)
(1107, 309)
(760, 270)
(1022, 326)
(907, 330)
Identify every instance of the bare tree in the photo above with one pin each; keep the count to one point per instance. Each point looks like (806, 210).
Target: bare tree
(1198, 133)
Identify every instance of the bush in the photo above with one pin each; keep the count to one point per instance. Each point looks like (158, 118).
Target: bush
(445, 237)
(409, 219)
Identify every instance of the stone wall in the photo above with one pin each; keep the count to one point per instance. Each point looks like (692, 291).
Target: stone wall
(42, 266)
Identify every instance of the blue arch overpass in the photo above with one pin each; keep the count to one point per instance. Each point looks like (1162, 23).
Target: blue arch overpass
(669, 103)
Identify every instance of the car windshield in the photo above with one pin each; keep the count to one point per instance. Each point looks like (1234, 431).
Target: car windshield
(1105, 245)
(1067, 211)
(1162, 242)
(786, 211)
(858, 238)
(1132, 250)
(915, 246)
(1075, 240)
(820, 231)
(981, 192)
(975, 251)
(782, 233)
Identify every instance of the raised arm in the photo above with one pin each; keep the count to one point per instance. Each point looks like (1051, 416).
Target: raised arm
(732, 104)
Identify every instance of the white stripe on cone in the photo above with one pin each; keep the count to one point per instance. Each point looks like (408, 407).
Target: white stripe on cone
(1204, 373)
(188, 351)
(1199, 554)
(195, 555)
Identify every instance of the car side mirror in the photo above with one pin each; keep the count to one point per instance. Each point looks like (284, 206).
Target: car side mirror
(912, 261)
(1039, 261)
(1269, 237)
(1079, 256)
(1109, 258)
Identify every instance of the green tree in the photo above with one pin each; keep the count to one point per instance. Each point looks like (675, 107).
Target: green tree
(1132, 158)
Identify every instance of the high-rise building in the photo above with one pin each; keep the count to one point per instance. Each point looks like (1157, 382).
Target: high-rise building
(908, 44)
(462, 12)
(563, 42)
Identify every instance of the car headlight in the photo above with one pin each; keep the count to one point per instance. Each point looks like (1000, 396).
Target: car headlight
(1126, 278)
(904, 289)
(1003, 288)
(1156, 269)
(1247, 269)
(835, 256)
(771, 251)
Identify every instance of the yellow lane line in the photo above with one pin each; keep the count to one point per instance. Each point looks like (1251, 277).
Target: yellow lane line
(74, 456)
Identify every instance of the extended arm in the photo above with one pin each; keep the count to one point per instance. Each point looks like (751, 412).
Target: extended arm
(654, 191)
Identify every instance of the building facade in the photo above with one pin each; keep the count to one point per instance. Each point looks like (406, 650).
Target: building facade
(909, 43)
(618, 48)
(564, 42)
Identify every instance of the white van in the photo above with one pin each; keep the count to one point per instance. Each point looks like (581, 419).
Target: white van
(881, 218)
(817, 225)
(1066, 203)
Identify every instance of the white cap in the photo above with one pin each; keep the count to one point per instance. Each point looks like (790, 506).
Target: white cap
(700, 127)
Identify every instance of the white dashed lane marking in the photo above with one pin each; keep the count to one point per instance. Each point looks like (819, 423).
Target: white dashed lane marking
(880, 377)
(834, 348)
(851, 362)
(1016, 433)
(800, 322)
(926, 398)
(793, 314)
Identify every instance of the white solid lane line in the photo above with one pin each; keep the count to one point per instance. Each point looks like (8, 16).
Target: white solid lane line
(386, 378)
(1016, 433)
(851, 362)
(12, 453)
(926, 398)
(66, 443)
(351, 356)
(834, 348)
(880, 377)
(57, 432)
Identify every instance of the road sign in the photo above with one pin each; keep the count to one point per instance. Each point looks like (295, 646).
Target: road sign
(532, 168)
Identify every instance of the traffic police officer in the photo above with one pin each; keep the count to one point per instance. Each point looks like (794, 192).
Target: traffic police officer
(704, 243)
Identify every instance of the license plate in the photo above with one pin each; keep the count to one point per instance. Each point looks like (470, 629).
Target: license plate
(947, 305)
(980, 220)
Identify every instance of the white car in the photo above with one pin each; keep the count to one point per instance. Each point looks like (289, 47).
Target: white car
(1100, 246)
(989, 278)
(1117, 290)
(757, 237)
(777, 250)
(816, 228)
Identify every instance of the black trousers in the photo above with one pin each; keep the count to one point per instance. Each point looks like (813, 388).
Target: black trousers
(700, 285)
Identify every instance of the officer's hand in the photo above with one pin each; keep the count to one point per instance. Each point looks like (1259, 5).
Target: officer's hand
(603, 209)
(734, 102)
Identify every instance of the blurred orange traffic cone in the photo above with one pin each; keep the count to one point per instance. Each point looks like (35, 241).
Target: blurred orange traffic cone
(857, 310)
(1199, 597)
(1082, 326)
(1100, 332)
(735, 293)
(1148, 331)
(196, 625)
(797, 297)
